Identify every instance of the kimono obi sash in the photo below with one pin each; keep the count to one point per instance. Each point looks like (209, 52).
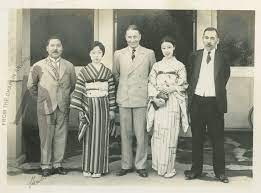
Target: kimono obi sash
(97, 88)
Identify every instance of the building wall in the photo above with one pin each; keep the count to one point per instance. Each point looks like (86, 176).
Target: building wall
(240, 98)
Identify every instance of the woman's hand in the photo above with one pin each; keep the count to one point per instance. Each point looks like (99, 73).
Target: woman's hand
(168, 90)
(112, 115)
(159, 102)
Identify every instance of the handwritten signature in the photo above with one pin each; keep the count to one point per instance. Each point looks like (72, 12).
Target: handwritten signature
(34, 181)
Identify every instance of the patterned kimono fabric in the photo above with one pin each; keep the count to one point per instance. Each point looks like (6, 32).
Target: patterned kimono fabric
(95, 158)
(167, 120)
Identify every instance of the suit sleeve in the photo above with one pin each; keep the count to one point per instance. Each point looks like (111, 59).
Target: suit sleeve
(33, 79)
(227, 71)
(152, 59)
(116, 67)
(188, 66)
(73, 78)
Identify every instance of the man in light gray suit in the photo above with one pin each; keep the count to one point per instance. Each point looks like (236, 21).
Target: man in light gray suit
(131, 68)
(52, 80)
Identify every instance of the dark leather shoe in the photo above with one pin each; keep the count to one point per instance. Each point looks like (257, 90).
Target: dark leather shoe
(190, 175)
(60, 170)
(223, 178)
(123, 172)
(46, 172)
(186, 172)
(142, 173)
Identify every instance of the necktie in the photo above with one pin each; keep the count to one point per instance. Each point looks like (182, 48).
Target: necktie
(56, 69)
(133, 54)
(208, 58)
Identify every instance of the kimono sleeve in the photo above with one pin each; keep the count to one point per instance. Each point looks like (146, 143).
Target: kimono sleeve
(182, 79)
(77, 100)
(112, 93)
(152, 84)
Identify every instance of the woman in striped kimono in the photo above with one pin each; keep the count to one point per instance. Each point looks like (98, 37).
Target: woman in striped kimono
(94, 98)
(167, 108)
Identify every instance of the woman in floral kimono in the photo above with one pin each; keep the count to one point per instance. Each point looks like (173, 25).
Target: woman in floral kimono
(94, 98)
(167, 108)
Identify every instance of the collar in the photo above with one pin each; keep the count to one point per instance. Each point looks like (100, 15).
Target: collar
(212, 52)
(54, 60)
(173, 59)
(136, 49)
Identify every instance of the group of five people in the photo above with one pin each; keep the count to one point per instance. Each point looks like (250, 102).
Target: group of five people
(153, 97)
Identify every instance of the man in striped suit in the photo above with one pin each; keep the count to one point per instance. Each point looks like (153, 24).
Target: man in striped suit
(52, 80)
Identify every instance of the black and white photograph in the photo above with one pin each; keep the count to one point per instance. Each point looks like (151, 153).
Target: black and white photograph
(125, 96)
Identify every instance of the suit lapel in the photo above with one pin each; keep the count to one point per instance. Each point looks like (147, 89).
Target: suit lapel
(127, 58)
(62, 68)
(139, 56)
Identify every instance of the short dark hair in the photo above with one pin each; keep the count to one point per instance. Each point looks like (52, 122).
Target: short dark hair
(100, 45)
(168, 39)
(133, 27)
(53, 37)
(211, 29)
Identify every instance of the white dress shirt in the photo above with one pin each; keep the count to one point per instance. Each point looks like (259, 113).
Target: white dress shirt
(206, 83)
(130, 48)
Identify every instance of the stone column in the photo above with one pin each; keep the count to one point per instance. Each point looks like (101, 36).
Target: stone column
(18, 67)
(105, 34)
(205, 19)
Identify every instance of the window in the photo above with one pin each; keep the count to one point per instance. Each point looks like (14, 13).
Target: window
(75, 27)
(237, 33)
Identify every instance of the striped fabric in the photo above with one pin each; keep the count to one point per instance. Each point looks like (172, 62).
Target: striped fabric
(95, 134)
(96, 140)
(169, 119)
(87, 74)
(83, 126)
(165, 136)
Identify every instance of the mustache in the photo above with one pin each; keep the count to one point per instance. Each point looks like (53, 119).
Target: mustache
(55, 51)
